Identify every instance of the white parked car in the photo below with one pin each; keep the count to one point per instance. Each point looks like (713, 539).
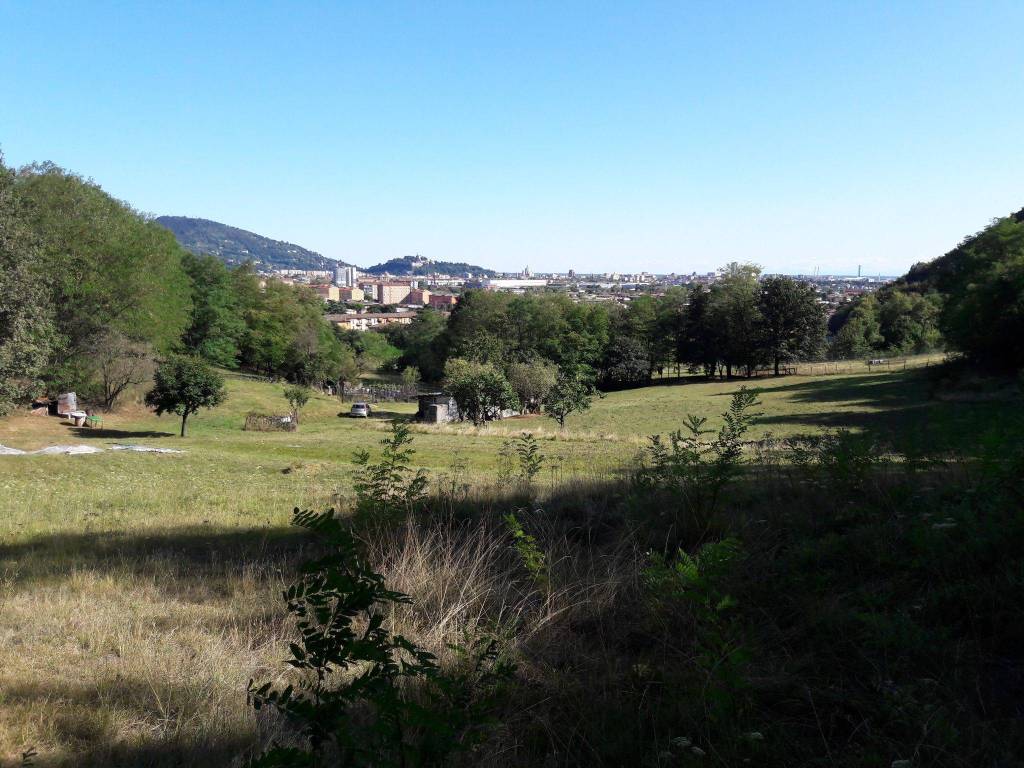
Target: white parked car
(360, 411)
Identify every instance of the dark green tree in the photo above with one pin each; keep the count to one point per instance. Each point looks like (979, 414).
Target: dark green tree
(216, 326)
(984, 312)
(572, 393)
(792, 321)
(423, 344)
(108, 269)
(183, 384)
(26, 312)
(736, 317)
(860, 335)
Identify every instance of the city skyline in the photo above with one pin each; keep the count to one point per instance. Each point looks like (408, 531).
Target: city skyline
(662, 138)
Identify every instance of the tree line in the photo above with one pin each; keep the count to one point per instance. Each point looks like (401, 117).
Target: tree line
(971, 301)
(93, 293)
(738, 326)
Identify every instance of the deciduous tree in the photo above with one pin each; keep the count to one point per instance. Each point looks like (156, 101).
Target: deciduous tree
(26, 318)
(183, 384)
(572, 393)
(792, 323)
(480, 390)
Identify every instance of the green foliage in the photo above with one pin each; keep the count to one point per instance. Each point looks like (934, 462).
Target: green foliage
(698, 585)
(734, 318)
(532, 381)
(792, 323)
(373, 350)
(183, 384)
(503, 329)
(860, 334)
(216, 326)
(525, 450)
(423, 343)
(970, 298)
(27, 336)
(389, 489)
(739, 324)
(411, 376)
(480, 390)
(571, 393)
(531, 460)
(693, 470)
(366, 696)
(297, 396)
(892, 321)
(984, 312)
(529, 552)
(108, 269)
(286, 334)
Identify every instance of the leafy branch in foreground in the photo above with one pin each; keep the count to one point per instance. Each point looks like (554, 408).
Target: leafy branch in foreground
(357, 702)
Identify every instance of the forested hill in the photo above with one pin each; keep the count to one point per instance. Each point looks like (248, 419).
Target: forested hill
(237, 246)
(417, 265)
(971, 300)
(940, 273)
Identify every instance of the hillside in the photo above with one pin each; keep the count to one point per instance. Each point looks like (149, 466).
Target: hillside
(417, 265)
(942, 272)
(237, 246)
(967, 301)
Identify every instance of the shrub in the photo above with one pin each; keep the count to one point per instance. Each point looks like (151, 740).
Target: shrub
(391, 488)
(697, 585)
(693, 471)
(481, 391)
(529, 553)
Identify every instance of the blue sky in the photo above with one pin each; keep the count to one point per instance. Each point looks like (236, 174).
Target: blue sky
(661, 136)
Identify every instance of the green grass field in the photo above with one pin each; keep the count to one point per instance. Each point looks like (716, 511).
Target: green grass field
(139, 592)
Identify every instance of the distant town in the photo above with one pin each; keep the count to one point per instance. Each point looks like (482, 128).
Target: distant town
(362, 301)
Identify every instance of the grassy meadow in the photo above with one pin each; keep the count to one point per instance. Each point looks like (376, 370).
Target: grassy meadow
(140, 592)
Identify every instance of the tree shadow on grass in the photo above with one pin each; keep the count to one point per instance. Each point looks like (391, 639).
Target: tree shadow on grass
(78, 719)
(199, 562)
(191, 563)
(117, 434)
(898, 409)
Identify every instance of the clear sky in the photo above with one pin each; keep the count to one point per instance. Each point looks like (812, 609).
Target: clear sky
(669, 136)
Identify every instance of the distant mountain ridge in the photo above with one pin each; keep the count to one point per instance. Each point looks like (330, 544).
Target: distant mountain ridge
(236, 246)
(417, 265)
